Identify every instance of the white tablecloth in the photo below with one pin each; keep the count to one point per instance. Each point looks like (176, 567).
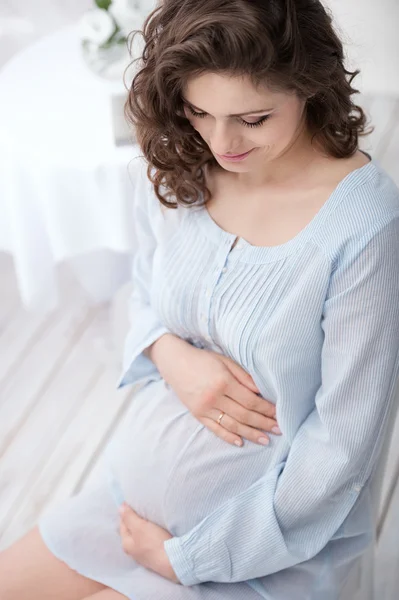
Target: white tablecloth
(65, 188)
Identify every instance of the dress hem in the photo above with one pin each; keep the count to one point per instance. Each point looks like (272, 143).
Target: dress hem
(47, 541)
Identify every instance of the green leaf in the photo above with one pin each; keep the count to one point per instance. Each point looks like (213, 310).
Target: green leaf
(104, 4)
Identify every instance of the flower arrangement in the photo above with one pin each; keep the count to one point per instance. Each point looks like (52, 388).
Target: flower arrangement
(104, 31)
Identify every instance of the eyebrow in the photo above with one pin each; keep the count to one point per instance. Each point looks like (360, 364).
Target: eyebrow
(250, 112)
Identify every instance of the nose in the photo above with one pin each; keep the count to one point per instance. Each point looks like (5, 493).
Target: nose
(224, 139)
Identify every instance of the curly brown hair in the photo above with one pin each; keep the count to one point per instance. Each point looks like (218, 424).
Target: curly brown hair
(290, 45)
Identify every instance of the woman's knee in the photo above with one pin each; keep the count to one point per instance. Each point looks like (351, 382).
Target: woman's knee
(29, 571)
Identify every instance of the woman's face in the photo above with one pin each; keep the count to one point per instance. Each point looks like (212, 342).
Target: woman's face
(244, 126)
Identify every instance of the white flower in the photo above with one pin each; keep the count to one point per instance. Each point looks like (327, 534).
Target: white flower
(127, 16)
(96, 26)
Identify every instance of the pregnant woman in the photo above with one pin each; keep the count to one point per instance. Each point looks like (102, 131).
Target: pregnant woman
(264, 326)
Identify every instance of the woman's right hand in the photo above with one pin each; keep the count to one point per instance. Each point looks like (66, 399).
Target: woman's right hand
(210, 384)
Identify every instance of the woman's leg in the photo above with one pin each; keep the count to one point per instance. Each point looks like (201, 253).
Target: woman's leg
(29, 571)
(107, 594)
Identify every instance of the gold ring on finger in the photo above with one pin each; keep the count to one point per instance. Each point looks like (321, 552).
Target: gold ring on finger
(220, 417)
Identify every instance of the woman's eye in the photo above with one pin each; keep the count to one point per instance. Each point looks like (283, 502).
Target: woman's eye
(195, 113)
(257, 123)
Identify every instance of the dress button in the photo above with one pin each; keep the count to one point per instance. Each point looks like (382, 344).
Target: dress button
(357, 488)
(207, 293)
(224, 269)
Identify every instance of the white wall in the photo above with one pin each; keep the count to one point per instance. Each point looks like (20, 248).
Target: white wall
(371, 32)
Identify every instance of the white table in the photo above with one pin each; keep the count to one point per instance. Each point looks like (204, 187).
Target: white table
(65, 188)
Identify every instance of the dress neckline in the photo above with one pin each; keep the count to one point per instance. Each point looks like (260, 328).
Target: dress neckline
(261, 254)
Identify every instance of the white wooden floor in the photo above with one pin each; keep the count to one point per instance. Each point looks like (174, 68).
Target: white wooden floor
(58, 401)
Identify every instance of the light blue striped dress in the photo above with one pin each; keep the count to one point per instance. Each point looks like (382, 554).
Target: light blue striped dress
(315, 321)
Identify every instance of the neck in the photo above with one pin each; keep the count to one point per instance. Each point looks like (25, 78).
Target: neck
(295, 162)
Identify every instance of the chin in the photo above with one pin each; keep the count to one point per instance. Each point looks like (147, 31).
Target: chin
(241, 167)
(236, 168)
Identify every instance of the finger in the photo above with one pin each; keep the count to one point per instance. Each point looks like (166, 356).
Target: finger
(249, 400)
(127, 540)
(221, 432)
(249, 433)
(240, 374)
(127, 545)
(123, 529)
(129, 517)
(245, 416)
(124, 532)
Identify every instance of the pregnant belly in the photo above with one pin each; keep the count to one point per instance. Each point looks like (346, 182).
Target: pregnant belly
(172, 470)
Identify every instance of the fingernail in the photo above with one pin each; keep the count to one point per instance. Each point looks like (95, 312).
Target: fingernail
(238, 443)
(264, 441)
(276, 430)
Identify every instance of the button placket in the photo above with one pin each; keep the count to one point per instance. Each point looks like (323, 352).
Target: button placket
(205, 310)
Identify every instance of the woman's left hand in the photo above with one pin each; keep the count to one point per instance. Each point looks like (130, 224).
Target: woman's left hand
(144, 541)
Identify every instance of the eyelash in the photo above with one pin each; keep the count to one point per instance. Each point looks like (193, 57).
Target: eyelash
(255, 124)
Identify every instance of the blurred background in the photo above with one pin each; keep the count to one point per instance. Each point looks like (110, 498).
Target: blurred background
(67, 165)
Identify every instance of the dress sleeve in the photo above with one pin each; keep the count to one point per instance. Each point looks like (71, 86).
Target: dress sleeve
(145, 325)
(293, 511)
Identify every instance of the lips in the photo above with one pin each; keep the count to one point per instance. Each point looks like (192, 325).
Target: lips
(234, 155)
